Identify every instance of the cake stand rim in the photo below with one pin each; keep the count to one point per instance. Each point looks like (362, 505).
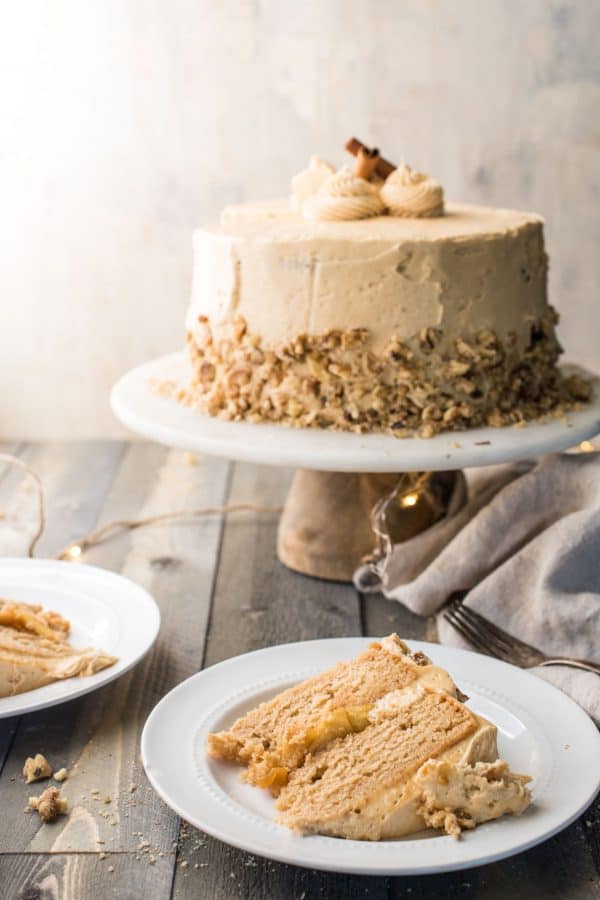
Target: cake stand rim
(166, 422)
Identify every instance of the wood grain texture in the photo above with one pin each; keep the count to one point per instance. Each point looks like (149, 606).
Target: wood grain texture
(381, 616)
(75, 876)
(257, 601)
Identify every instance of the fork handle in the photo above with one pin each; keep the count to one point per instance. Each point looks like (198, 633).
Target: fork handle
(573, 663)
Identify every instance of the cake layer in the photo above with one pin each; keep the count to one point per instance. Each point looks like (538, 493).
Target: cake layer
(362, 786)
(473, 268)
(273, 739)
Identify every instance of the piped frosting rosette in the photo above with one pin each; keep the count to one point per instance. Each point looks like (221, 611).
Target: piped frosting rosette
(306, 183)
(344, 196)
(412, 194)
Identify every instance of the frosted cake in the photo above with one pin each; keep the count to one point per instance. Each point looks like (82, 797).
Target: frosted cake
(365, 302)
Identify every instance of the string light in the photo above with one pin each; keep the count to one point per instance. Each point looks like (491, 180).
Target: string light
(410, 487)
(37, 482)
(72, 552)
(409, 500)
(76, 549)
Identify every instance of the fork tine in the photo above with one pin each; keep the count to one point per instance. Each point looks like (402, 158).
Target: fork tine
(511, 643)
(496, 636)
(493, 647)
(501, 649)
(466, 632)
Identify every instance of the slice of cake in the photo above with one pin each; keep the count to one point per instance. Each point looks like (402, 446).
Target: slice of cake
(376, 748)
(368, 304)
(34, 649)
(274, 738)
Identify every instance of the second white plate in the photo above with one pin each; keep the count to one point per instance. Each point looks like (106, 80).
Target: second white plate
(541, 732)
(105, 610)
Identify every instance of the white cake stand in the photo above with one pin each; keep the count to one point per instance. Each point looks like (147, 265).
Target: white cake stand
(325, 527)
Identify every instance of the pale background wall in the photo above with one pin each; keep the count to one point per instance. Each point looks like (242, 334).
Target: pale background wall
(125, 123)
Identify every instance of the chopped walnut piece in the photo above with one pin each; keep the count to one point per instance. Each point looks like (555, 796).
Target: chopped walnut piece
(49, 805)
(456, 367)
(61, 775)
(36, 768)
(420, 659)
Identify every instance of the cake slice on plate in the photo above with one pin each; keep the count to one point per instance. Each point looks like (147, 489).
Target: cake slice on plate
(274, 739)
(34, 649)
(375, 748)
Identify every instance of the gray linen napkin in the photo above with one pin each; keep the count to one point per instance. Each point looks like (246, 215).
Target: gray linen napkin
(526, 545)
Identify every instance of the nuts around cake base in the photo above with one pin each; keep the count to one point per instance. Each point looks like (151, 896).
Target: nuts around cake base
(335, 380)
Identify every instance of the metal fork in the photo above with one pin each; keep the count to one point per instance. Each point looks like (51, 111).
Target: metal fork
(489, 638)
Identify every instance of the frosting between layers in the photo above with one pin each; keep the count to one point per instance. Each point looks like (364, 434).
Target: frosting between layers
(393, 812)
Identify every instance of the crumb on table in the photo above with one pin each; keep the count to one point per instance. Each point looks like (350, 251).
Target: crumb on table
(49, 805)
(36, 768)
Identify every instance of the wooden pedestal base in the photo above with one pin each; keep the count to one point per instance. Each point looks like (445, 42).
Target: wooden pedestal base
(325, 528)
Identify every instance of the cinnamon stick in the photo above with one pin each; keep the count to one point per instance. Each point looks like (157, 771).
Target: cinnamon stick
(366, 163)
(383, 167)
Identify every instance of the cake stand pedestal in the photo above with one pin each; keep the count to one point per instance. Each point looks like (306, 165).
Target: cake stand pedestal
(325, 526)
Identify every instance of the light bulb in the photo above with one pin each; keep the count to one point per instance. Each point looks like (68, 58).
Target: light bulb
(409, 500)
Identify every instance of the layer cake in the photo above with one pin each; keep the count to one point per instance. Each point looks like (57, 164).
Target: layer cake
(376, 748)
(372, 305)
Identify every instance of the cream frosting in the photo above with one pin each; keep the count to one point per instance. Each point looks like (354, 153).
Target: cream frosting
(458, 795)
(473, 268)
(393, 812)
(344, 196)
(306, 183)
(412, 194)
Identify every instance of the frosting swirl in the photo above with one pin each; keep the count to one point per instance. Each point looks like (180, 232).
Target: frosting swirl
(412, 194)
(344, 196)
(306, 183)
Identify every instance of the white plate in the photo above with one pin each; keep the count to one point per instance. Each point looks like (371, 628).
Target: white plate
(541, 732)
(105, 611)
(168, 422)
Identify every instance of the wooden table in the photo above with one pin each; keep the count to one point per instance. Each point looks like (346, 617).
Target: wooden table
(221, 592)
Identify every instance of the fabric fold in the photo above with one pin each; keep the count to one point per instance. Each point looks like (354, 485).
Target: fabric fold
(526, 547)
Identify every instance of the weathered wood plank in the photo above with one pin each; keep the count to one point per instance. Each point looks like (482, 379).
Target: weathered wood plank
(559, 869)
(77, 876)
(19, 503)
(258, 603)
(98, 736)
(381, 616)
(76, 477)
